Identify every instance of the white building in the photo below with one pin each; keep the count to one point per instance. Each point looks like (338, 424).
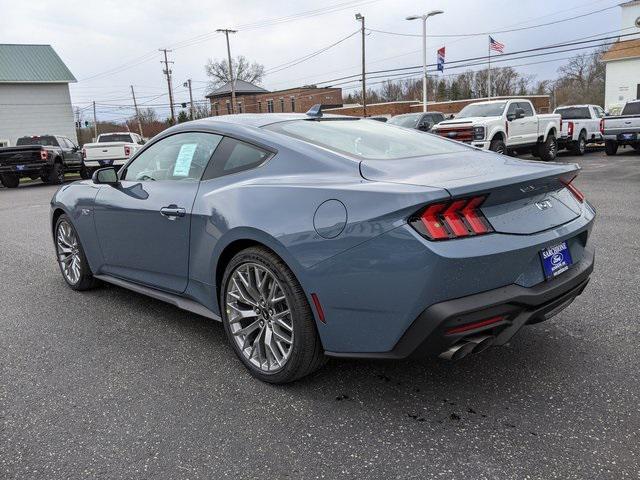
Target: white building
(623, 62)
(34, 93)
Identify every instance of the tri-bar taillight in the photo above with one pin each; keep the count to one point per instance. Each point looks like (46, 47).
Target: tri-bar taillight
(455, 219)
(127, 151)
(43, 154)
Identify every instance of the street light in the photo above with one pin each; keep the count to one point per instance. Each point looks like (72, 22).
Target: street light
(424, 51)
(360, 18)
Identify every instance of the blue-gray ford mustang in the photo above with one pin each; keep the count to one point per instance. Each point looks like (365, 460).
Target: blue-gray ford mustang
(312, 236)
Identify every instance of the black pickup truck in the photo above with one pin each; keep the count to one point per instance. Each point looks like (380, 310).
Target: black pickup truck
(47, 157)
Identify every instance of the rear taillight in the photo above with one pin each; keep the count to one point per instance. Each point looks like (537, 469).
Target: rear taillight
(570, 129)
(84, 153)
(127, 151)
(456, 219)
(574, 190)
(602, 126)
(43, 154)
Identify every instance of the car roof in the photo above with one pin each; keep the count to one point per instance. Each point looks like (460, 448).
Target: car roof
(263, 119)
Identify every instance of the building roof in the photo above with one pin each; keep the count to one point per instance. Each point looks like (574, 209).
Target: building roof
(622, 50)
(32, 64)
(241, 87)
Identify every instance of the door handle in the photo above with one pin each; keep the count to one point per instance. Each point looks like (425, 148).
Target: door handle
(172, 211)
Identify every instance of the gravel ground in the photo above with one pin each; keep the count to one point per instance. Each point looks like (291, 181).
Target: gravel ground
(110, 384)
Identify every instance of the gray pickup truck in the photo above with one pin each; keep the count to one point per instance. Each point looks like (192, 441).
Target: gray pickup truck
(623, 129)
(47, 157)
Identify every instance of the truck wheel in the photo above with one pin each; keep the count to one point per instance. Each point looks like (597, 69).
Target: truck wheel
(636, 147)
(10, 181)
(548, 149)
(55, 175)
(498, 146)
(85, 174)
(610, 147)
(579, 147)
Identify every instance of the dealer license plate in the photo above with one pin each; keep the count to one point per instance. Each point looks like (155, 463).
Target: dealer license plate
(556, 260)
(19, 167)
(627, 136)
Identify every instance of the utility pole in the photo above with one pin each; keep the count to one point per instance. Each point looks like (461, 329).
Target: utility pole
(95, 122)
(167, 72)
(188, 84)
(364, 82)
(226, 32)
(135, 105)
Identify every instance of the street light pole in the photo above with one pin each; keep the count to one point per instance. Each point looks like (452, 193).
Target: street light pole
(364, 82)
(424, 52)
(226, 32)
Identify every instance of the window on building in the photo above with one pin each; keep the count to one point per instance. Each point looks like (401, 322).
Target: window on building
(293, 104)
(228, 106)
(259, 107)
(282, 104)
(216, 108)
(270, 106)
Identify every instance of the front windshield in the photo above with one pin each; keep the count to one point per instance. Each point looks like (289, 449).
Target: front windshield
(366, 139)
(409, 121)
(482, 110)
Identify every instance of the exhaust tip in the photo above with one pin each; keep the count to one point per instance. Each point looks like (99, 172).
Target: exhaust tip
(481, 343)
(458, 351)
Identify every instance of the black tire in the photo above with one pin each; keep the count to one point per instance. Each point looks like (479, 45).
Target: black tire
(85, 173)
(636, 147)
(55, 175)
(497, 145)
(548, 149)
(610, 147)
(9, 180)
(86, 280)
(579, 146)
(306, 353)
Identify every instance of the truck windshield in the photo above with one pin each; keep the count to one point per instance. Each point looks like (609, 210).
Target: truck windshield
(409, 121)
(482, 110)
(115, 137)
(574, 113)
(632, 108)
(47, 140)
(363, 139)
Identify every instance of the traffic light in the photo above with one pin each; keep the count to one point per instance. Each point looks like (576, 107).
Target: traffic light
(183, 105)
(86, 123)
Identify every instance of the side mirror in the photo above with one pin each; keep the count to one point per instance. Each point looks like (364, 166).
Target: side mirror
(519, 113)
(511, 117)
(425, 126)
(105, 176)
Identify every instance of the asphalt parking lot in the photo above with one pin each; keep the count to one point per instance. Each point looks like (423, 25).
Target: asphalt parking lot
(111, 384)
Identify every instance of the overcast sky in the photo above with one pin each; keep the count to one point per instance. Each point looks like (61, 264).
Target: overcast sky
(109, 45)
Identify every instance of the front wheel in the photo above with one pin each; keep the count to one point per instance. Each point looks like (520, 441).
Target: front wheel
(267, 318)
(497, 145)
(9, 180)
(70, 254)
(610, 147)
(548, 149)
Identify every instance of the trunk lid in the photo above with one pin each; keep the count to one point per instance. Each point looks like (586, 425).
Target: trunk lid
(523, 197)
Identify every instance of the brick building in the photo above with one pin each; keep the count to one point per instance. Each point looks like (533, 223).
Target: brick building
(389, 109)
(253, 99)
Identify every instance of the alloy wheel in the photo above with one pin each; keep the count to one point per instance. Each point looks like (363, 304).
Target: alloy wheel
(68, 249)
(259, 317)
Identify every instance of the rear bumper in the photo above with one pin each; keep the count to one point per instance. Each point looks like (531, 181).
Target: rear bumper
(519, 306)
(23, 169)
(105, 162)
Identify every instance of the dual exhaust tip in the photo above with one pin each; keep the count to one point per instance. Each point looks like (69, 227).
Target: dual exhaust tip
(468, 345)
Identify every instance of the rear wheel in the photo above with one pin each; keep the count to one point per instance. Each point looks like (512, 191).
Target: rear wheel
(497, 145)
(55, 175)
(85, 174)
(580, 146)
(548, 149)
(9, 180)
(610, 147)
(71, 259)
(268, 319)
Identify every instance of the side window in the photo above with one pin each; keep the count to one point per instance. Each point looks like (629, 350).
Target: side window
(183, 156)
(528, 111)
(599, 112)
(234, 156)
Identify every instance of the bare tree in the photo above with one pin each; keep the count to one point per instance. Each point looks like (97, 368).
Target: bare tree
(218, 71)
(582, 80)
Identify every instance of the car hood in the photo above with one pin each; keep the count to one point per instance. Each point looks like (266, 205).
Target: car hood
(465, 121)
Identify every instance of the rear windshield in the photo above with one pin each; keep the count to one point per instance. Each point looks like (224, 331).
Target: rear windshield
(574, 113)
(367, 139)
(482, 110)
(46, 140)
(116, 137)
(631, 109)
(409, 121)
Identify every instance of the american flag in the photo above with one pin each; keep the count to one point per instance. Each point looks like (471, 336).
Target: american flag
(496, 46)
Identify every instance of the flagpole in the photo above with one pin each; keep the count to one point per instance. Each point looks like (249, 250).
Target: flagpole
(489, 72)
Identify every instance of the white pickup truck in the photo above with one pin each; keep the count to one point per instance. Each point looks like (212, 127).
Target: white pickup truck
(111, 149)
(581, 124)
(504, 126)
(623, 129)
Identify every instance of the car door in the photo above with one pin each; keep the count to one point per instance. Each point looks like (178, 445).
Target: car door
(519, 128)
(143, 223)
(74, 156)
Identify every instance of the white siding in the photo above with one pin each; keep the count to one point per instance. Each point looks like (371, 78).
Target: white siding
(35, 109)
(623, 78)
